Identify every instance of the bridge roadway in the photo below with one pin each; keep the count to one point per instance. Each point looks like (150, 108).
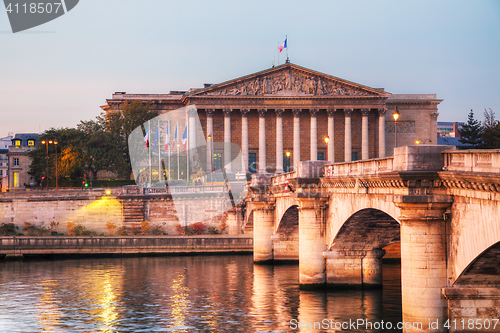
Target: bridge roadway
(442, 205)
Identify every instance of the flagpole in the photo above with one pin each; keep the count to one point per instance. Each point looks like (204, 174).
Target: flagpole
(187, 152)
(286, 39)
(178, 165)
(159, 152)
(168, 133)
(149, 151)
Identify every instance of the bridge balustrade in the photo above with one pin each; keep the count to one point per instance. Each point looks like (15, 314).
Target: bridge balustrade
(473, 160)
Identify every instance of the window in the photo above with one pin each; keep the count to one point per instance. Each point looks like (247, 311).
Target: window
(217, 161)
(31, 142)
(321, 156)
(16, 179)
(252, 162)
(16, 161)
(1, 172)
(286, 162)
(17, 142)
(354, 156)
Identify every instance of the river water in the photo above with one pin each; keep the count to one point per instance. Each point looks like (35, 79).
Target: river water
(225, 293)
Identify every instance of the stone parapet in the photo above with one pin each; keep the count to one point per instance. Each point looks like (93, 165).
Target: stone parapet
(473, 160)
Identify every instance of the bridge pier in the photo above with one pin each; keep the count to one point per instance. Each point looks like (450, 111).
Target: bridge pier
(354, 268)
(312, 264)
(234, 221)
(423, 260)
(263, 229)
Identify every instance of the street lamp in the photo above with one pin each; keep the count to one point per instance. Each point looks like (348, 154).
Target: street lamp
(395, 114)
(47, 143)
(55, 145)
(327, 139)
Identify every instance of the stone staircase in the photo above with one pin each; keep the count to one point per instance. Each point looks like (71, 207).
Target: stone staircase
(133, 212)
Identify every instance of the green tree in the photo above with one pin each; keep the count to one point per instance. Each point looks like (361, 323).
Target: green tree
(490, 131)
(121, 124)
(471, 132)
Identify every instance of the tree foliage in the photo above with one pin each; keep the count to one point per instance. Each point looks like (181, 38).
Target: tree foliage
(490, 131)
(94, 145)
(470, 134)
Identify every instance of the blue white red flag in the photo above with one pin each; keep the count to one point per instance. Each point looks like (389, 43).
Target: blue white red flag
(175, 135)
(146, 137)
(282, 45)
(185, 137)
(167, 136)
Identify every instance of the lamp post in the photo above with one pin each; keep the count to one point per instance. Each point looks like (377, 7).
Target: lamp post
(55, 145)
(395, 114)
(46, 143)
(327, 139)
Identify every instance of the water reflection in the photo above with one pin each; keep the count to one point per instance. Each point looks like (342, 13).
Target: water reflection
(179, 294)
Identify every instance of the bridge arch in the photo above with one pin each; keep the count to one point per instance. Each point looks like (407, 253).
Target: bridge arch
(483, 270)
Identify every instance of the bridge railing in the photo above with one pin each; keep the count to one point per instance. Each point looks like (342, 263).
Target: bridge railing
(283, 178)
(472, 160)
(186, 189)
(358, 168)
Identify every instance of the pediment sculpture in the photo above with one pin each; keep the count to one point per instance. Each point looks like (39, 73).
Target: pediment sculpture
(288, 83)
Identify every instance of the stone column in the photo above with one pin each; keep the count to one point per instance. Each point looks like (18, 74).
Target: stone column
(244, 137)
(262, 140)
(210, 131)
(433, 124)
(263, 229)
(234, 221)
(354, 267)
(423, 259)
(312, 264)
(192, 113)
(364, 134)
(347, 137)
(314, 134)
(381, 132)
(331, 135)
(279, 140)
(296, 138)
(227, 139)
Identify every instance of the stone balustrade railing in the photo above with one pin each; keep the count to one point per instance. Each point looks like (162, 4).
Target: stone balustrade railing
(473, 160)
(283, 178)
(187, 189)
(358, 168)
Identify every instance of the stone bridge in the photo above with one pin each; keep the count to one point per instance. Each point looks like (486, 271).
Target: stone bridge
(441, 205)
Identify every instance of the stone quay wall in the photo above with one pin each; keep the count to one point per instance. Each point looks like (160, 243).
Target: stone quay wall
(94, 209)
(38, 245)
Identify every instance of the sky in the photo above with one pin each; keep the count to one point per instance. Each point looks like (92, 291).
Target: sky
(61, 72)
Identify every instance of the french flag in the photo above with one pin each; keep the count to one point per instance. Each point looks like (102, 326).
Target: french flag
(185, 137)
(283, 45)
(146, 137)
(167, 136)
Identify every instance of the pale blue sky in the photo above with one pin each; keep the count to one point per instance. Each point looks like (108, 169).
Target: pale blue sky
(59, 73)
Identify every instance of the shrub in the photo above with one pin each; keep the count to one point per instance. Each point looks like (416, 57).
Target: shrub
(33, 230)
(213, 231)
(53, 225)
(79, 230)
(186, 231)
(110, 227)
(8, 229)
(122, 231)
(145, 227)
(157, 230)
(198, 228)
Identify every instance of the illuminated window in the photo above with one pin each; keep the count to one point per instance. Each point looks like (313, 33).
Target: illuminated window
(17, 142)
(16, 179)
(31, 142)
(16, 161)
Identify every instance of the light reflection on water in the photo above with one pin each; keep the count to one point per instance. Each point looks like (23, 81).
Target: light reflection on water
(178, 294)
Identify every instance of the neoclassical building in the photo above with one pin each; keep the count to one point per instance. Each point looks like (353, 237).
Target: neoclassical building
(281, 115)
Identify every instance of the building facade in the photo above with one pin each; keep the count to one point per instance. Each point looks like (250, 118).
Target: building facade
(19, 161)
(281, 115)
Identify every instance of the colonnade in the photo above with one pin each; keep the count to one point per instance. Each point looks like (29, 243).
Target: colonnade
(296, 134)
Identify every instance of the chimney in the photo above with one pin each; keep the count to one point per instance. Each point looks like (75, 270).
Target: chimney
(456, 134)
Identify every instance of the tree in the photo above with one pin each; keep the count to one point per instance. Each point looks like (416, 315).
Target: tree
(121, 124)
(490, 131)
(471, 132)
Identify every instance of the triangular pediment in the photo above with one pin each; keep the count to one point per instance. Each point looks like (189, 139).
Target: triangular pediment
(288, 80)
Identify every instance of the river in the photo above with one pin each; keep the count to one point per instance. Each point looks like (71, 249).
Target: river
(211, 293)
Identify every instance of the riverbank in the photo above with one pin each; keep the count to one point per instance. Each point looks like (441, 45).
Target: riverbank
(16, 247)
